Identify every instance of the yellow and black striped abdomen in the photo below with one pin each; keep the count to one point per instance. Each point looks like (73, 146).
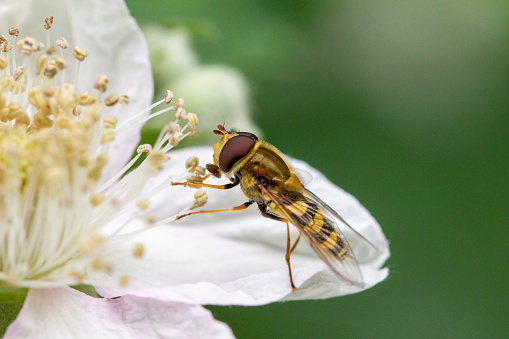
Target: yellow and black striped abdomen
(317, 225)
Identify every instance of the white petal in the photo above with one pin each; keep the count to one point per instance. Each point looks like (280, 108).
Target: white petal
(239, 257)
(116, 48)
(67, 313)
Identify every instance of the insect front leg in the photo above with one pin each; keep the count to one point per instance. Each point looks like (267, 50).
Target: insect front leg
(215, 172)
(289, 248)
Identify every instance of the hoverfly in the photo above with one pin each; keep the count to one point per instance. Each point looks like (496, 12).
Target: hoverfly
(268, 180)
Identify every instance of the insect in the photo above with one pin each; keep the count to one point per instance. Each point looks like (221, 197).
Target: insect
(271, 183)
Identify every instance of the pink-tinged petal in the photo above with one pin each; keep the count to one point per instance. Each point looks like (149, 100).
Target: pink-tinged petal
(116, 48)
(67, 313)
(239, 257)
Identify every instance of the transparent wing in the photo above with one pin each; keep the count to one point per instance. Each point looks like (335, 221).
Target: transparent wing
(310, 216)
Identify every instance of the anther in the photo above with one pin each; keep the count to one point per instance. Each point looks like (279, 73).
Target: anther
(101, 82)
(62, 43)
(143, 204)
(50, 50)
(13, 31)
(111, 99)
(6, 47)
(200, 199)
(199, 170)
(76, 111)
(175, 138)
(40, 61)
(79, 53)
(168, 98)
(138, 250)
(145, 148)
(172, 127)
(110, 122)
(60, 62)
(193, 122)
(124, 99)
(48, 22)
(191, 163)
(108, 136)
(18, 73)
(3, 62)
(124, 281)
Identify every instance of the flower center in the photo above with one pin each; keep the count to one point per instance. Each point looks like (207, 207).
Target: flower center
(54, 143)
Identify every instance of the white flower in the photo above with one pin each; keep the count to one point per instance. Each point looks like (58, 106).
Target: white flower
(64, 212)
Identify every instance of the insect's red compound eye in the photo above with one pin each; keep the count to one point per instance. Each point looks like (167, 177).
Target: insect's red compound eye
(235, 149)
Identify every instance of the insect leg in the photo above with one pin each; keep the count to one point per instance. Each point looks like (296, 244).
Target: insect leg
(236, 208)
(235, 181)
(266, 214)
(295, 244)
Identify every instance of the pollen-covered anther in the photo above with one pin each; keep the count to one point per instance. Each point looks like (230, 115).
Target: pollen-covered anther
(60, 62)
(3, 62)
(156, 159)
(50, 70)
(168, 98)
(199, 170)
(18, 73)
(38, 46)
(6, 47)
(191, 163)
(79, 53)
(175, 138)
(111, 99)
(124, 281)
(42, 120)
(195, 179)
(145, 148)
(50, 50)
(172, 127)
(101, 82)
(96, 199)
(6, 83)
(110, 122)
(124, 99)
(40, 61)
(22, 121)
(48, 22)
(108, 136)
(13, 31)
(76, 111)
(200, 199)
(143, 204)
(193, 122)
(181, 114)
(61, 42)
(15, 111)
(3, 39)
(86, 99)
(138, 250)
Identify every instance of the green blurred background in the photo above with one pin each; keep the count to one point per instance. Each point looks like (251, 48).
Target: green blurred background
(405, 105)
